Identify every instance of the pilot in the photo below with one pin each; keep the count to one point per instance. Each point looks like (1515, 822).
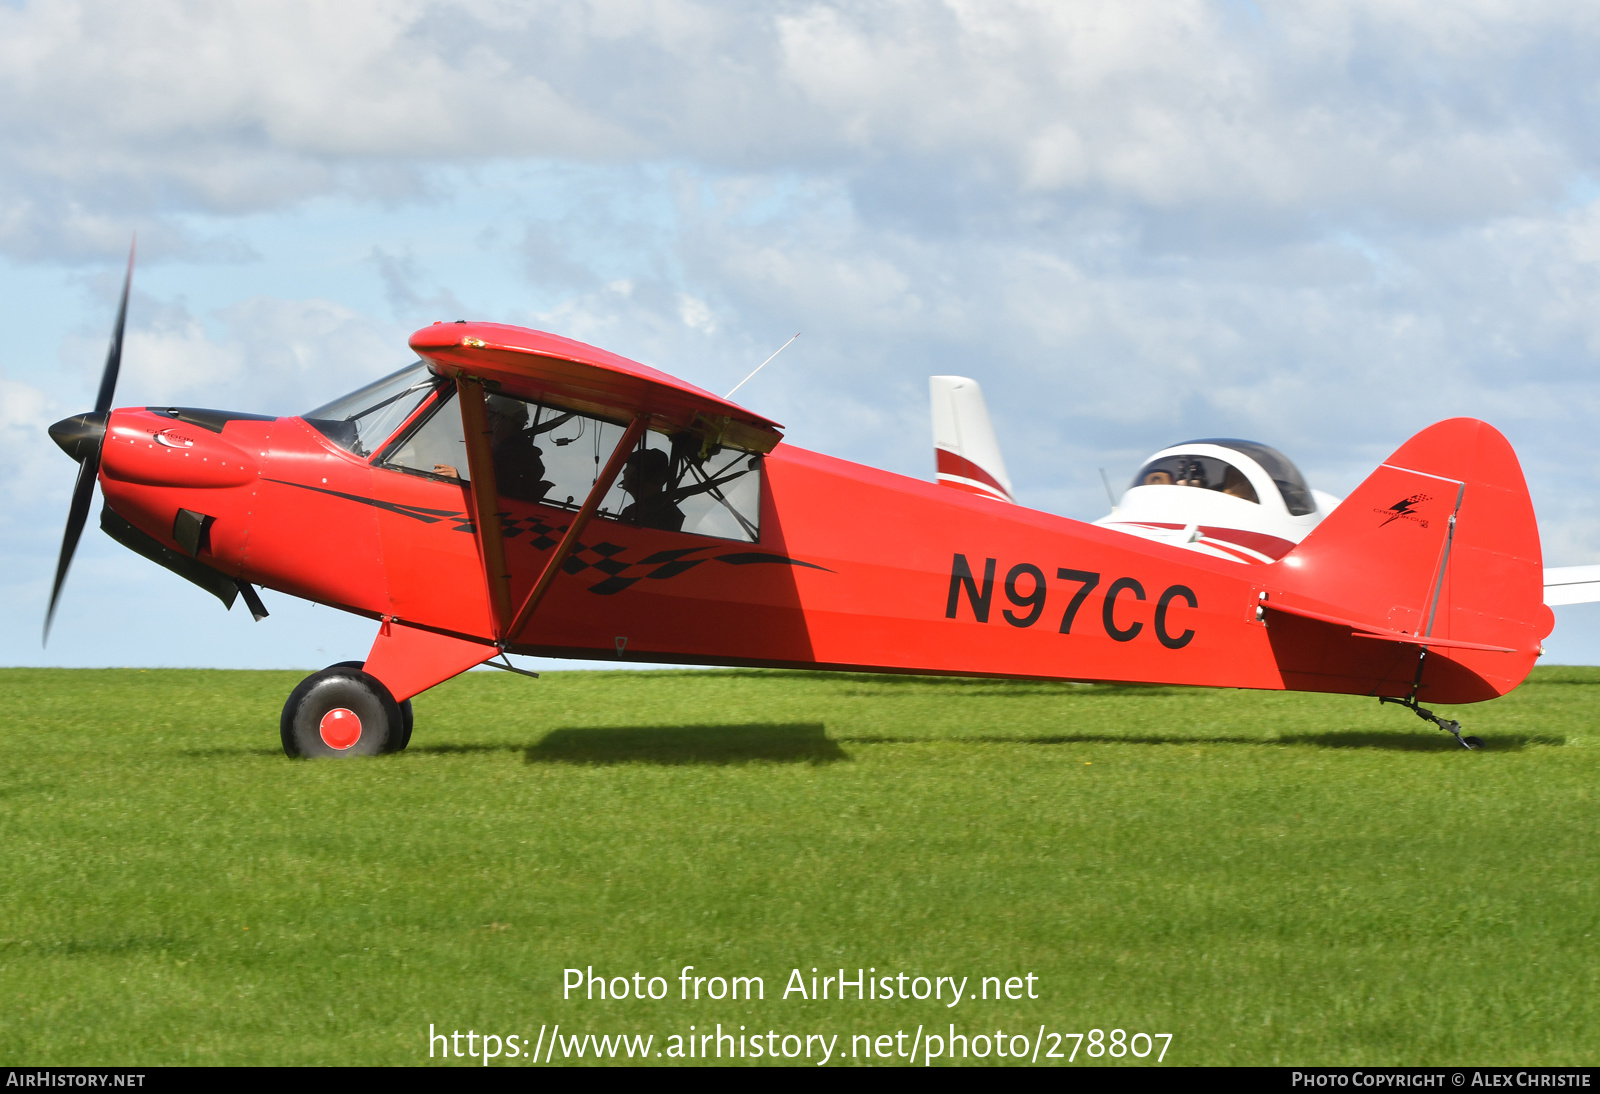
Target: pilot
(645, 476)
(518, 462)
(1157, 478)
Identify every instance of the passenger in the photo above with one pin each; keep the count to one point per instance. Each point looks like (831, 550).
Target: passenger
(1157, 478)
(1236, 485)
(645, 477)
(518, 463)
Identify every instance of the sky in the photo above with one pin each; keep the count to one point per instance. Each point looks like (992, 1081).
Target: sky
(1318, 225)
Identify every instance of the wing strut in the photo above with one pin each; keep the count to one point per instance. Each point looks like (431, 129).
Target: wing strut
(485, 499)
(613, 468)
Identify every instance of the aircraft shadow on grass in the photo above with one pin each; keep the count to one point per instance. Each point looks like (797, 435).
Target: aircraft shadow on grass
(1392, 742)
(808, 742)
(799, 742)
(1417, 742)
(859, 683)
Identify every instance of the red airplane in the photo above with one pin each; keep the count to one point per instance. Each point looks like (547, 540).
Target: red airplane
(518, 492)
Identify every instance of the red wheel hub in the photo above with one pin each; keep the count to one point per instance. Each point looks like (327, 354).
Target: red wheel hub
(340, 728)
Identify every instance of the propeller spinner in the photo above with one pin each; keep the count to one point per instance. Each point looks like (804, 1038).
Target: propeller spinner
(81, 437)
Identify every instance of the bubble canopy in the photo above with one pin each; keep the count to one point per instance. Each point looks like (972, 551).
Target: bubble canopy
(1278, 467)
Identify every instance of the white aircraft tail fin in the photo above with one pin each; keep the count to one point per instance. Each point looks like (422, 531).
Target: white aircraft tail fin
(964, 444)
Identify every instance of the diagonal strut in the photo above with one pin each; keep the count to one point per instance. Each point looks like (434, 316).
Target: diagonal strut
(608, 476)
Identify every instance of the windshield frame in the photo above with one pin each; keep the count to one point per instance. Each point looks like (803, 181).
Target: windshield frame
(342, 430)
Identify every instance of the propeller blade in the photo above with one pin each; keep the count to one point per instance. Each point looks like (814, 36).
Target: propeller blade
(108, 378)
(81, 439)
(77, 515)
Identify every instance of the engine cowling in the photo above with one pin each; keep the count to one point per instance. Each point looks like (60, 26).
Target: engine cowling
(152, 450)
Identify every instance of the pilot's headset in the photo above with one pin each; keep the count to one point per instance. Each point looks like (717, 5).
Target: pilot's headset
(514, 409)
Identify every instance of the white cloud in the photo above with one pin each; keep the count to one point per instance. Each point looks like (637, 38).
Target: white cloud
(110, 110)
(263, 355)
(28, 455)
(696, 314)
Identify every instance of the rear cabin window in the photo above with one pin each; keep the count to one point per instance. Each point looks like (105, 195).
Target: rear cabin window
(548, 456)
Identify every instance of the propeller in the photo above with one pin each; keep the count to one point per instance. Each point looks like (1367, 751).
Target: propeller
(81, 437)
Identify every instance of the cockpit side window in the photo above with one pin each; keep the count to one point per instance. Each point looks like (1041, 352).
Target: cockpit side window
(677, 484)
(1284, 474)
(1204, 472)
(435, 446)
(550, 456)
(361, 421)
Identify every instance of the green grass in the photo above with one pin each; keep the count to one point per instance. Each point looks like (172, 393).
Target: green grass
(1270, 878)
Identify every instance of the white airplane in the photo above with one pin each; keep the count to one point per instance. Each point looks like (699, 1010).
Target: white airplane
(1233, 499)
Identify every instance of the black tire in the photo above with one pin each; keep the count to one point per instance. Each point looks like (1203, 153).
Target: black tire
(1472, 742)
(406, 718)
(312, 726)
(405, 725)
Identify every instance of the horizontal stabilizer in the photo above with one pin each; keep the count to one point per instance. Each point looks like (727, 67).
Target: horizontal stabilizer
(1366, 630)
(1571, 584)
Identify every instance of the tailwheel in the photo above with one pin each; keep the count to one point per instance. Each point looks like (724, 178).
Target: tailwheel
(342, 711)
(1449, 725)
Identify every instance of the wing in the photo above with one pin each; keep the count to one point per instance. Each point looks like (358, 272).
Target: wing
(559, 372)
(1571, 584)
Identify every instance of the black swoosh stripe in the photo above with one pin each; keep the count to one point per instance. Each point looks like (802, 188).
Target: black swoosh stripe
(415, 512)
(611, 585)
(748, 558)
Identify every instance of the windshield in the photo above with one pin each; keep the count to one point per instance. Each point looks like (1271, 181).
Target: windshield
(1204, 472)
(1296, 494)
(361, 421)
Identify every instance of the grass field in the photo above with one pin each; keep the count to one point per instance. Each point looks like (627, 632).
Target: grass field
(1269, 878)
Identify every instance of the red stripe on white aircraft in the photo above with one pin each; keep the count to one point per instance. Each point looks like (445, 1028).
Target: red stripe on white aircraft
(1258, 543)
(1243, 554)
(983, 490)
(1273, 547)
(950, 464)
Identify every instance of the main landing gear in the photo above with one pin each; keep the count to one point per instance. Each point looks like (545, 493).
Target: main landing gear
(343, 711)
(1449, 726)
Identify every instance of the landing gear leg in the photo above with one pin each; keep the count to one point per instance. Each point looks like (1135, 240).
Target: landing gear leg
(1446, 724)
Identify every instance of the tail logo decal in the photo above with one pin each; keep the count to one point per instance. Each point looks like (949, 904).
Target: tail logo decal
(1405, 507)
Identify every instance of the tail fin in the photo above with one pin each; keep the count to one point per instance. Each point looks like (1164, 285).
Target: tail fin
(964, 445)
(1437, 550)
